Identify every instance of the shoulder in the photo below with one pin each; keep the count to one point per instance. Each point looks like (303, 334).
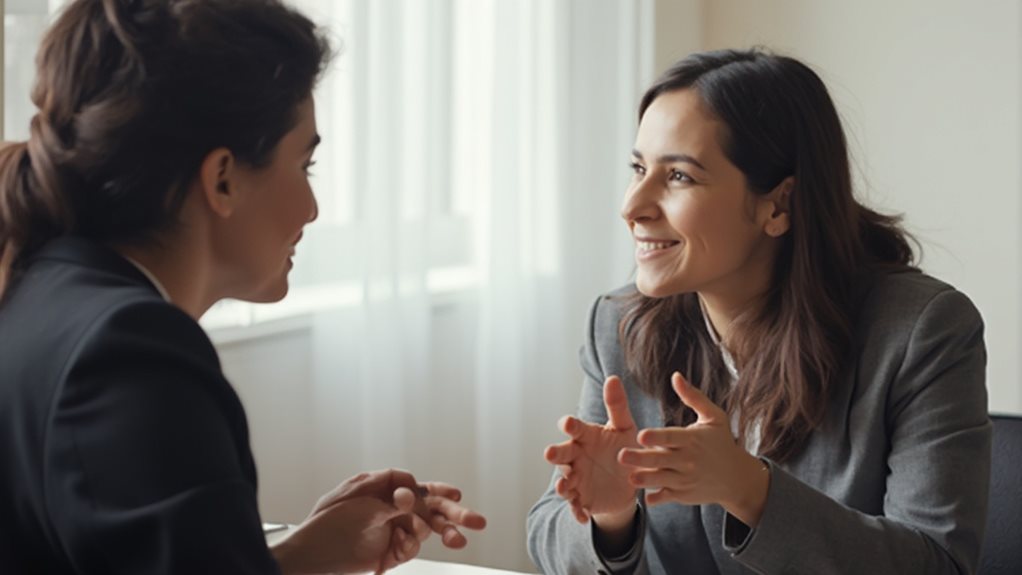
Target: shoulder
(608, 309)
(140, 323)
(145, 386)
(900, 304)
(922, 338)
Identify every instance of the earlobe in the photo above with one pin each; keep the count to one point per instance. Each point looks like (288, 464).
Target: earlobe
(216, 178)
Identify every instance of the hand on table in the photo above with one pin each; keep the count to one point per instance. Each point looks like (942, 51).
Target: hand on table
(374, 522)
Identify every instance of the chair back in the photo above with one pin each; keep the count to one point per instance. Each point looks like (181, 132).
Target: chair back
(1002, 544)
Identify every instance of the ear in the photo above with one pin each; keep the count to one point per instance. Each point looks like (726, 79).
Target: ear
(218, 181)
(775, 208)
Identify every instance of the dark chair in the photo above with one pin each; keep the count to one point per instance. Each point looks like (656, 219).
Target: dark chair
(1002, 546)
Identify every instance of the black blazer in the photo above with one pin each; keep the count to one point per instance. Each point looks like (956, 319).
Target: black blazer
(123, 449)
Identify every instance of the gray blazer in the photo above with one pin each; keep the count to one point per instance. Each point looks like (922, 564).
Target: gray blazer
(894, 481)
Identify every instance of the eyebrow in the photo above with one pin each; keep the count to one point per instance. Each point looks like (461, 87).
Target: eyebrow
(673, 159)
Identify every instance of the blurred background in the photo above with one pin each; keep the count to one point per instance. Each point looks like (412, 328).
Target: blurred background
(474, 160)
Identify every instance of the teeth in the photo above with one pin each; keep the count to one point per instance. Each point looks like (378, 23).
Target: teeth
(650, 246)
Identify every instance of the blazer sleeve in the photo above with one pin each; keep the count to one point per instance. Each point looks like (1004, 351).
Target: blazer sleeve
(147, 466)
(939, 464)
(557, 542)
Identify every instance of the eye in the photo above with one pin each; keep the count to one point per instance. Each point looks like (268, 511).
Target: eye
(308, 167)
(637, 168)
(679, 176)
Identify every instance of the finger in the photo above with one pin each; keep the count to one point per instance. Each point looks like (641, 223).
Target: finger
(420, 528)
(442, 490)
(665, 495)
(449, 534)
(566, 471)
(561, 487)
(579, 512)
(400, 478)
(614, 398)
(407, 547)
(562, 453)
(666, 437)
(455, 513)
(565, 489)
(657, 479)
(404, 499)
(706, 410)
(379, 484)
(452, 538)
(652, 457)
(570, 480)
(572, 426)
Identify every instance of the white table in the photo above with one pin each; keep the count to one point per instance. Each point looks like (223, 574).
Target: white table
(422, 566)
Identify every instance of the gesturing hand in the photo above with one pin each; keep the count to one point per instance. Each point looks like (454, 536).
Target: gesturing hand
(374, 522)
(700, 463)
(592, 480)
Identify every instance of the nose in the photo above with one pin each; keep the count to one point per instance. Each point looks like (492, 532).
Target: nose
(640, 201)
(315, 209)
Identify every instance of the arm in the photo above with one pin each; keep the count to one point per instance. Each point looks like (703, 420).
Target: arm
(935, 506)
(562, 540)
(147, 468)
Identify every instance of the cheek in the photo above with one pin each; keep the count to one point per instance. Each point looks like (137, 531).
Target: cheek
(711, 226)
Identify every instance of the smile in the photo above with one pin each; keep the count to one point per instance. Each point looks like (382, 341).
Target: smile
(653, 246)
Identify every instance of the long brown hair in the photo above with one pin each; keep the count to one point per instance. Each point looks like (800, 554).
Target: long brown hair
(789, 350)
(131, 96)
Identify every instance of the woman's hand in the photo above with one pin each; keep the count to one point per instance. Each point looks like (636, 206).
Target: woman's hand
(374, 522)
(592, 481)
(700, 463)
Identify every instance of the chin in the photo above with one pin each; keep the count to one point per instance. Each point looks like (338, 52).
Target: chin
(269, 293)
(655, 289)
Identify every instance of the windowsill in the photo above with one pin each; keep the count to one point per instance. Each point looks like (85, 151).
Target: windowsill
(238, 322)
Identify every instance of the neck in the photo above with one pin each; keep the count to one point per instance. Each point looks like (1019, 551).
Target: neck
(184, 271)
(738, 294)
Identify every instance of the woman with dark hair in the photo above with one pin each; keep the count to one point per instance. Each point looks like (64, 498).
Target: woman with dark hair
(781, 391)
(167, 169)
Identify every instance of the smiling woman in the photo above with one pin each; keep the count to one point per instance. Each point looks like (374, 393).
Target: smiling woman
(779, 367)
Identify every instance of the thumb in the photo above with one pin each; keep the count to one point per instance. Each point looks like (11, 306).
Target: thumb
(616, 402)
(404, 499)
(706, 410)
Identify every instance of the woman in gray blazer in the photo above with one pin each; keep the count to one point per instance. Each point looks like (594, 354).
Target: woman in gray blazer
(781, 391)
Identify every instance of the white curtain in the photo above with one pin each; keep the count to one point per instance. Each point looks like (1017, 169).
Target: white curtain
(473, 163)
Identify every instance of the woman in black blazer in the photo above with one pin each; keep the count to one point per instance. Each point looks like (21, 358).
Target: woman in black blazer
(167, 169)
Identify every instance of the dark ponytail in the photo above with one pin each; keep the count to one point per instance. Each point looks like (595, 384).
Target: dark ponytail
(31, 211)
(131, 95)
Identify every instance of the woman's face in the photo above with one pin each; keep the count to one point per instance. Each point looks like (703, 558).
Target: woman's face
(697, 227)
(278, 202)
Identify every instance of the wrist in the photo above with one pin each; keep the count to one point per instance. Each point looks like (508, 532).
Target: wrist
(614, 533)
(750, 493)
(284, 552)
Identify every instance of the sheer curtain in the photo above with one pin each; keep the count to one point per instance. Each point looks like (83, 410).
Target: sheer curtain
(479, 148)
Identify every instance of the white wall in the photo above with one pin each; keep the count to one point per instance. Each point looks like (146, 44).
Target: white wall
(930, 93)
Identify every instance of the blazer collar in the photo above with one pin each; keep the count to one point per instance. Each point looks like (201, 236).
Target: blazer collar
(92, 254)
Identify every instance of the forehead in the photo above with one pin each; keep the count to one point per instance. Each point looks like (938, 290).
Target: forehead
(678, 122)
(306, 118)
